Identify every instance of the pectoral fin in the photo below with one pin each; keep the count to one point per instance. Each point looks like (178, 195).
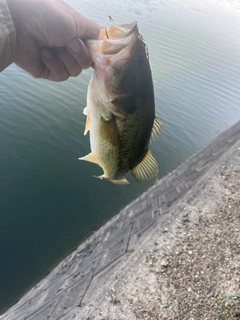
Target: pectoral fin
(146, 170)
(87, 125)
(89, 157)
(155, 129)
(108, 130)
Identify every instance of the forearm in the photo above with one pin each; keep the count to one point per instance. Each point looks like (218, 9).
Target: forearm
(8, 42)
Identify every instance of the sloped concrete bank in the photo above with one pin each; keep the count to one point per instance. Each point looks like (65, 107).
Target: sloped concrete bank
(144, 263)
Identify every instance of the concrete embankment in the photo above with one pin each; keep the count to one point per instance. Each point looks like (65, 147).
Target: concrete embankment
(161, 256)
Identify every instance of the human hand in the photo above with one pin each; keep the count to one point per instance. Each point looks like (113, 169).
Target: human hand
(49, 38)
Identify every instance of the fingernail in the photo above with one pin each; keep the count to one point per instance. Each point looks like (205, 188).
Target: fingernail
(75, 45)
(46, 53)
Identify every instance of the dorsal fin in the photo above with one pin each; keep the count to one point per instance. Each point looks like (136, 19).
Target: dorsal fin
(155, 129)
(89, 157)
(146, 170)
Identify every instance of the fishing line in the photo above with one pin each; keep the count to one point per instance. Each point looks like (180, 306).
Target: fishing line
(110, 19)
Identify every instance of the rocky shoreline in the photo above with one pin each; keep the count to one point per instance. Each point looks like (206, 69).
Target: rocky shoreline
(185, 270)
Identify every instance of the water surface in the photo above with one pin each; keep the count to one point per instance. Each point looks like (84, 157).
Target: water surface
(49, 201)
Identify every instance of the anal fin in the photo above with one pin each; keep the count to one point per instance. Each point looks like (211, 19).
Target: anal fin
(122, 181)
(146, 170)
(156, 129)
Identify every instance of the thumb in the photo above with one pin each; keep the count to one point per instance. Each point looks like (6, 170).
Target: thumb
(85, 28)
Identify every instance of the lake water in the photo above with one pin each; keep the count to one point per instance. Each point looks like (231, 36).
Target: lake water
(49, 201)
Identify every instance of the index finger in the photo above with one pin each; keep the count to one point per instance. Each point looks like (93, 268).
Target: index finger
(80, 52)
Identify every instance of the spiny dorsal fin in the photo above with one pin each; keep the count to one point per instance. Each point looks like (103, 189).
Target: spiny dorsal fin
(155, 129)
(89, 157)
(146, 170)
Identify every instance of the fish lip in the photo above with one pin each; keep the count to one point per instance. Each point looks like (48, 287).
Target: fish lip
(133, 26)
(121, 36)
(129, 27)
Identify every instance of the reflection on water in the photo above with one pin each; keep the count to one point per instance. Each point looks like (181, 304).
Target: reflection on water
(49, 200)
(234, 3)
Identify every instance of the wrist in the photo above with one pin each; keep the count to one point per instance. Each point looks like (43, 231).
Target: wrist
(8, 42)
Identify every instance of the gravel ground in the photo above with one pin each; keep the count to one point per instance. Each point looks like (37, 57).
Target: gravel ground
(184, 269)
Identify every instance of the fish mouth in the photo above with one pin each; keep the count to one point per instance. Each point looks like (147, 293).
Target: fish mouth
(113, 39)
(117, 32)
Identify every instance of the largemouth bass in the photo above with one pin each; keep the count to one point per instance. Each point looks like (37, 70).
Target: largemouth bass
(120, 106)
